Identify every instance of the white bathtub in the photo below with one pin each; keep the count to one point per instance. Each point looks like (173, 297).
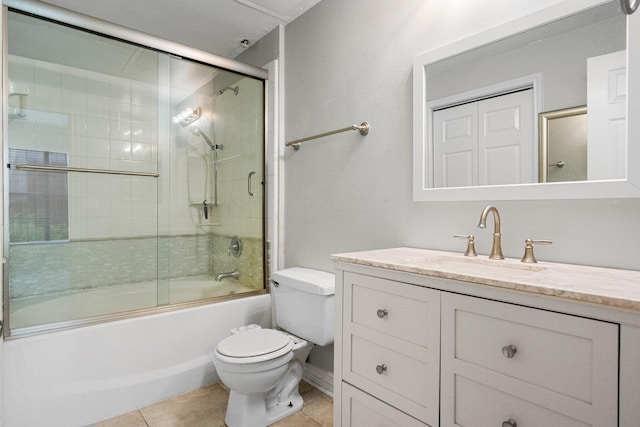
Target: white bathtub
(80, 376)
(47, 309)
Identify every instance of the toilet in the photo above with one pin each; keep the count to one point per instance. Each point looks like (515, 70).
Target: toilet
(262, 367)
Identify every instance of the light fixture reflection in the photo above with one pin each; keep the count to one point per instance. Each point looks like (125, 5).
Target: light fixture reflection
(187, 116)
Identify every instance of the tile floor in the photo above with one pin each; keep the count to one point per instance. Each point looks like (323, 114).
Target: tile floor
(206, 407)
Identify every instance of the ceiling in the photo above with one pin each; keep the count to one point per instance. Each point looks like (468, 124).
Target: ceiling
(216, 26)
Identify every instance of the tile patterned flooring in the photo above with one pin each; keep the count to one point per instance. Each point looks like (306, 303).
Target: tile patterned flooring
(206, 406)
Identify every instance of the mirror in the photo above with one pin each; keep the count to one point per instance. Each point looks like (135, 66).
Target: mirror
(477, 102)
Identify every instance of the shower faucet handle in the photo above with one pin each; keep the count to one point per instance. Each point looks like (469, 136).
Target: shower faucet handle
(205, 209)
(235, 247)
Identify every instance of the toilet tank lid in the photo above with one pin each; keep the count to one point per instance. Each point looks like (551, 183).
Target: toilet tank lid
(306, 279)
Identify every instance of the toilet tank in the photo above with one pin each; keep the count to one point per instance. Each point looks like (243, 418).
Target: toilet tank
(303, 303)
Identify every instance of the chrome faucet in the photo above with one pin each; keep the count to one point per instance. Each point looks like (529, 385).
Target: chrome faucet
(233, 274)
(496, 249)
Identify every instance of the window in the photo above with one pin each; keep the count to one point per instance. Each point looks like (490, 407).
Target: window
(38, 201)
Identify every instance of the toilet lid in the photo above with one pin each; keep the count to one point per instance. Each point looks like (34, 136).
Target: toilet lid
(255, 342)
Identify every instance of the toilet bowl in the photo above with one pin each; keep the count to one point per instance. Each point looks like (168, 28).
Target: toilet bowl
(262, 372)
(263, 367)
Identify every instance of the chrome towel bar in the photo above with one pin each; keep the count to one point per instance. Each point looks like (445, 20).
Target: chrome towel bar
(363, 128)
(84, 170)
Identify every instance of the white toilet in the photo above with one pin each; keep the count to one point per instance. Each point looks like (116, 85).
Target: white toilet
(262, 367)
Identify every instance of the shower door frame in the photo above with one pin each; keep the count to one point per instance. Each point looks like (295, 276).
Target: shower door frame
(94, 25)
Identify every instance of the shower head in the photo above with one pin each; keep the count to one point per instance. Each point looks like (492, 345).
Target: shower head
(234, 89)
(197, 132)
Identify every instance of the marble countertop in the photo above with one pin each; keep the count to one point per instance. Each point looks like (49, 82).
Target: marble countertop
(607, 286)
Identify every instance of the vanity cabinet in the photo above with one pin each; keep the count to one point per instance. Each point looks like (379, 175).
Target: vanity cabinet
(420, 351)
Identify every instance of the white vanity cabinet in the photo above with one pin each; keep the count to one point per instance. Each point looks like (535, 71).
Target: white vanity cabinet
(418, 350)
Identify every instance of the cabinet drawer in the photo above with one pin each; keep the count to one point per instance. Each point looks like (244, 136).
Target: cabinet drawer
(361, 410)
(479, 405)
(391, 308)
(390, 369)
(551, 350)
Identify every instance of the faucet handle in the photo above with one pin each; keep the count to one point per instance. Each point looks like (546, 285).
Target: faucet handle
(471, 249)
(528, 249)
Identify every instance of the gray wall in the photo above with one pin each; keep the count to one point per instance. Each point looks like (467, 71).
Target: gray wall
(263, 51)
(351, 61)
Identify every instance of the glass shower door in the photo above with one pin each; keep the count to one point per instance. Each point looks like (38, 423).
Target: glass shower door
(83, 238)
(113, 207)
(217, 229)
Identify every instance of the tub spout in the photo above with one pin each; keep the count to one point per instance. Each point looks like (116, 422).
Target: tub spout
(234, 274)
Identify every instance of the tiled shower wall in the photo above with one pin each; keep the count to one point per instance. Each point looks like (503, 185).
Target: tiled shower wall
(107, 122)
(102, 122)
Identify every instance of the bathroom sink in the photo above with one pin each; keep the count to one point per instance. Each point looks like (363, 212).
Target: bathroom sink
(482, 266)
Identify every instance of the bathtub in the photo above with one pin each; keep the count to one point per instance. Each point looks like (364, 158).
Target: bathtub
(80, 376)
(48, 309)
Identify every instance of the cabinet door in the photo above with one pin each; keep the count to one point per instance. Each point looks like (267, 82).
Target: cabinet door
(501, 361)
(361, 410)
(391, 343)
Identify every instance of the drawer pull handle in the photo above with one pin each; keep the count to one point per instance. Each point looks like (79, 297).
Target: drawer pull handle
(380, 369)
(509, 423)
(509, 351)
(382, 312)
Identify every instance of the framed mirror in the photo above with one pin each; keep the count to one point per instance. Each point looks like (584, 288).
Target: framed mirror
(455, 157)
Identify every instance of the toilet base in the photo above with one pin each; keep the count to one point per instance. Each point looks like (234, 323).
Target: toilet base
(250, 409)
(279, 411)
(263, 409)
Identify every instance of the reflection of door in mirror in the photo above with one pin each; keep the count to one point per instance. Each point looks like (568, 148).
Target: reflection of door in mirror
(563, 145)
(607, 123)
(485, 142)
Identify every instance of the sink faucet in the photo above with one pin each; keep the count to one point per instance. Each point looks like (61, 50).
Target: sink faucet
(496, 249)
(234, 274)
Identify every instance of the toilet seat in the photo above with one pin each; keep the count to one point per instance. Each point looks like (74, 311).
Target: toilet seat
(252, 346)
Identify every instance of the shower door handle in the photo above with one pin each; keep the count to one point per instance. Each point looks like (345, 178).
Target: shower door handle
(249, 184)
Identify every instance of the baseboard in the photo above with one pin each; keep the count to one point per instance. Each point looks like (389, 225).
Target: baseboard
(319, 378)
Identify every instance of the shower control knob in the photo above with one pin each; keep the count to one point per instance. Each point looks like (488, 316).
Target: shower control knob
(509, 423)
(382, 313)
(235, 247)
(509, 351)
(381, 369)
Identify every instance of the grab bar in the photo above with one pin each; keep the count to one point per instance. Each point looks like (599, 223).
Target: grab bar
(249, 184)
(84, 170)
(363, 128)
